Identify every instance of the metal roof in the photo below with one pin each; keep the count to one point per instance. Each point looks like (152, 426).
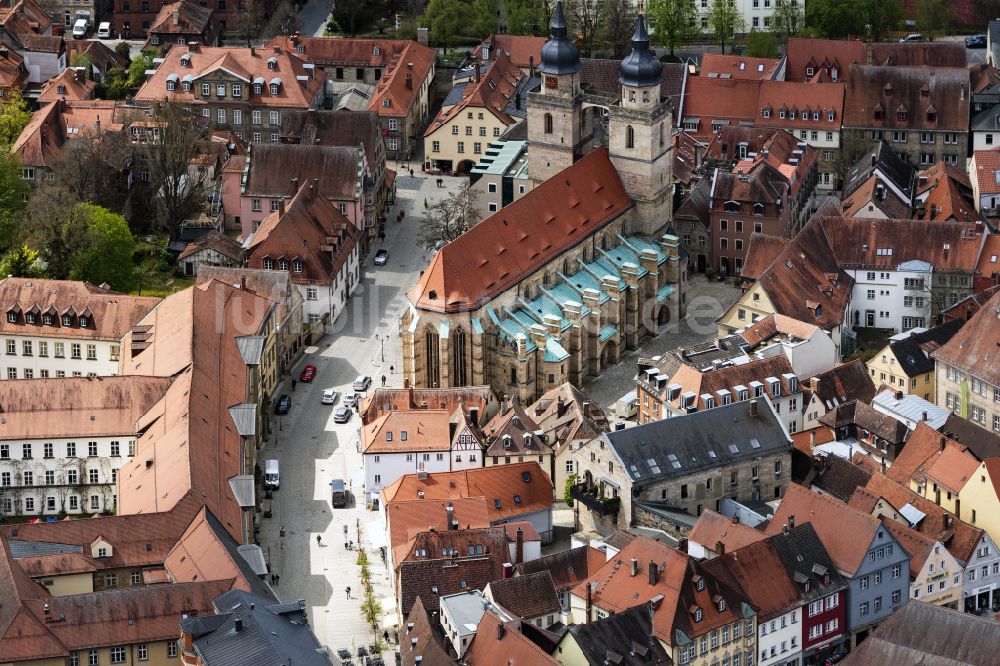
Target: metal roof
(243, 490)
(244, 418)
(251, 348)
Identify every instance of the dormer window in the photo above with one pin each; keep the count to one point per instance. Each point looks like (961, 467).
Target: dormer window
(12, 317)
(765, 112)
(791, 114)
(30, 318)
(931, 114)
(258, 88)
(185, 60)
(758, 208)
(697, 615)
(268, 264)
(154, 40)
(901, 116)
(272, 64)
(274, 88)
(67, 320)
(722, 605)
(186, 86)
(47, 319)
(833, 74)
(699, 583)
(878, 112)
(385, 103)
(925, 91)
(810, 71)
(282, 264)
(815, 115)
(829, 116)
(84, 322)
(508, 441)
(782, 113)
(297, 266)
(887, 90)
(171, 85)
(300, 49)
(376, 51)
(61, 90)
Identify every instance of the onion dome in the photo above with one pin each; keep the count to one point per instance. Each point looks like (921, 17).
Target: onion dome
(640, 69)
(559, 55)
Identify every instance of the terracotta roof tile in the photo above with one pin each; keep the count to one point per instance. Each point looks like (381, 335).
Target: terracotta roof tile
(523, 50)
(334, 128)
(601, 76)
(398, 431)
(407, 519)
(805, 99)
(975, 348)
(272, 166)
(845, 531)
(761, 253)
(431, 579)
(512, 243)
(843, 383)
(757, 570)
(528, 596)
(499, 642)
(713, 528)
(737, 67)
(13, 72)
(567, 568)
(910, 98)
(421, 639)
(989, 258)
(491, 92)
(244, 63)
(987, 170)
(771, 325)
(864, 201)
(224, 245)
(192, 19)
(449, 399)
(514, 423)
(803, 54)
(701, 101)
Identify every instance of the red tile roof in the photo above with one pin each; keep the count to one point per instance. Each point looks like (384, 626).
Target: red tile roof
(975, 348)
(499, 642)
(491, 92)
(309, 229)
(909, 98)
(338, 170)
(191, 19)
(987, 171)
(737, 67)
(702, 97)
(246, 64)
(521, 49)
(820, 54)
(756, 569)
(41, 141)
(13, 72)
(761, 253)
(398, 431)
(989, 258)
(843, 383)
(513, 422)
(500, 482)
(865, 201)
(70, 84)
(805, 100)
(713, 528)
(514, 242)
(449, 399)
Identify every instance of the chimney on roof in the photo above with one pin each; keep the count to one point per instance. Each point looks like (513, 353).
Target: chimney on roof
(295, 186)
(517, 101)
(281, 207)
(635, 566)
(753, 408)
(589, 604)
(477, 72)
(409, 81)
(791, 521)
(654, 573)
(243, 283)
(192, 47)
(501, 630)
(277, 50)
(899, 395)
(720, 548)
(474, 416)
(177, 17)
(812, 437)
(947, 520)
(944, 441)
(238, 625)
(253, 52)
(784, 528)
(923, 416)
(519, 546)
(735, 520)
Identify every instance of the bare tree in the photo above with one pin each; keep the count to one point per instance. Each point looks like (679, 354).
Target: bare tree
(450, 218)
(284, 20)
(93, 167)
(52, 223)
(178, 188)
(585, 17)
(250, 19)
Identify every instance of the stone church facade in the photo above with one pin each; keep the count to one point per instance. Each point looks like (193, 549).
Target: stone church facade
(550, 288)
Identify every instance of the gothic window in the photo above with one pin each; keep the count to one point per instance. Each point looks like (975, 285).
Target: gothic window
(548, 123)
(459, 374)
(629, 137)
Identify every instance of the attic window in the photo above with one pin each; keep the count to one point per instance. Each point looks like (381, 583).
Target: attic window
(185, 60)
(901, 116)
(517, 499)
(258, 88)
(931, 115)
(697, 615)
(815, 115)
(766, 112)
(699, 583)
(496, 502)
(722, 605)
(376, 51)
(274, 88)
(526, 477)
(781, 113)
(272, 63)
(385, 103)
(887, 90)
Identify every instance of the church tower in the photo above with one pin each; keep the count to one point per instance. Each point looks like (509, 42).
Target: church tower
(640, 138)
(554, 111)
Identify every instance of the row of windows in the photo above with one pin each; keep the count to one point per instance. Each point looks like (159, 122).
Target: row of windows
(876, 606)
(758, 227)
(714, 638)
(273, 88)
(73, 504)
(283, 265)
(876, 578)
(791, 113)
(468, 130)
(14, 316)
(58, 349)
(49, 449)
(72, 477)
(29, 373)
(117, 655)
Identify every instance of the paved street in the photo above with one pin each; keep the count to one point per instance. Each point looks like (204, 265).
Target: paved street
(312, 450)
(313, 16)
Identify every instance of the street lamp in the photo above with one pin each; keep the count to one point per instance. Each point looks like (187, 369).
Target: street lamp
(382, 340)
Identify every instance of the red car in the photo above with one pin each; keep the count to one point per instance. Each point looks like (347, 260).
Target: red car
(308, 373)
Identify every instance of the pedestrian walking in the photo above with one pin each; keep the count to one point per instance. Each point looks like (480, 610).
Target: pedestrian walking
(383, 380)
(385, 635)
(319, 540)
(345, 546)
(411, 173)
(348, 591)
(392, 369)
(277, 579)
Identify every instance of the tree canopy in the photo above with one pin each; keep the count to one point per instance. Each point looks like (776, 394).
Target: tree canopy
(14, 117)
(526, 17)
(105, 250)
(674, 22)
(933, 17)
(137, 69)
(724, 20)
(447, 20)
(450, 218)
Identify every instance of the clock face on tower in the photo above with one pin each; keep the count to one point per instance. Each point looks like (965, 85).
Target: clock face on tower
(552, 82)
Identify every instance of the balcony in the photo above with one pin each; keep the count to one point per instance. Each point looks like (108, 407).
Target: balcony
(604, 506)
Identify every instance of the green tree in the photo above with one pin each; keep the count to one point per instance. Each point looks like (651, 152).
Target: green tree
(137, 69)
(762, 44)
(85, 61)
(724, 20)
(14, 116)
(13, 187)
(124, 49)
(788, 18)
(674, 22)
(833, 19)
(21, 261)
(106, 249)
(449, 19)
(570, 482)
(114, 85)
(525, 17)
(880, 16)
(52, 223)
(933, 17)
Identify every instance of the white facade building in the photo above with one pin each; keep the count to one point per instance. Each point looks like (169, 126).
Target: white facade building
(897, 299)
(62, 441)
(779, 640)
(420, 440)
(63, 328)
(756, 14)
(982, 576)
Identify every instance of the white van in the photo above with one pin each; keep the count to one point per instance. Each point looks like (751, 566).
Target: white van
(80, 28)
(272, 479)
(104, 30)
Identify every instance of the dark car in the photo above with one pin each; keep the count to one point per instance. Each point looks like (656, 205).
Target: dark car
(283, 405)
(342, 415)
(381, 257)
(975, 42)
(308, 373)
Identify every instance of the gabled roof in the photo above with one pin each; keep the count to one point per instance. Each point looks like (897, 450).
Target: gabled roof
(512, 432)
(920, 633)
(728, 66)
(701, 103)
(839, 477)
(914, 352)
(987, 173)
(528, 596)
(565, 414)
(101, 57)
(707, 439)
(939, 54)
(408, 519)
(334, 128)
(490, 91)
(523, 50)
(975, 348)
(13, 72)
(980, 442)
(181, 18)
(421, 639)
(625, 638)
(885, 161)
(923, 444)
(805, 558)
(382, 400)
(863, 415)
(431, 579)
(757, 571)
(399, 431)
(878, 243)
(871, 196)
(817, 54)
(843, 383)
(272, 166)
(567, 567)
(601, 76)
(42, 139)
(806, 100)
(310, 229)
(932, 99)
(761, 253)
(224, 245)
(713, 528)
(499, 642)
(512, 243)
(845, 532)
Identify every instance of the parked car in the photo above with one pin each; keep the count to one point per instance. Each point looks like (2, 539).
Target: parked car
(913, 37)
(381, 257)
(329, 396)
(104, 30)
(975, 42)
(80, 28)
(350, 399)
(308, 373)
(283, 405)
(342, 415)
(362, 383)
